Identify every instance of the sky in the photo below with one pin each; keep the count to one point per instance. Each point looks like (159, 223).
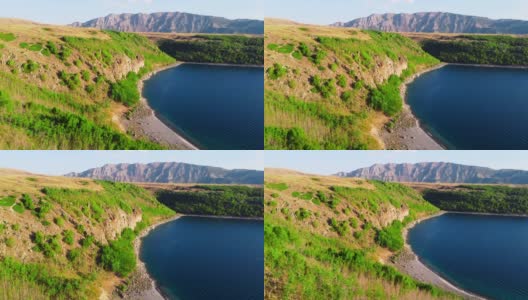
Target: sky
(331, 162)
(330, 11)
(62, 162)
(68, 11)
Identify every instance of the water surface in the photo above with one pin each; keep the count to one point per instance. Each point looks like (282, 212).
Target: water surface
(213, 106)
(486, 255)
(207, 258)
(468, 107)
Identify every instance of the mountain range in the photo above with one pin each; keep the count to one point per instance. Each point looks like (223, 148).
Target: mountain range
(437, 22)
(439, 172)
(171, 172)
(174, 22)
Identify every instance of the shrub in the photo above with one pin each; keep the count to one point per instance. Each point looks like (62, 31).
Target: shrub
(346, 96)
(87, 242)
(305, 50)
(74, 254)
(10, 242)
(302, 214)
(85, 75)
(387, 97)
(333, 67)
(72, 81)
(273, 47)
(119, 256)
(341, 80)
(68, 237)
(7, 37)
(297, 55)
(52, 48)
(296, 139)
(59, 221)
(292, 84)
(391, 236)
(19, 208)
(7, 201)
(29, 66)
(125, 90)
(35, 47)
(11, 63)
(341, 227)
(326, 88)
(27, 201)
(276, 71)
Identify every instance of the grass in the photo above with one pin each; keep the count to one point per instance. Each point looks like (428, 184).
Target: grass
(7, 201)
(338, 98)
(7, 37)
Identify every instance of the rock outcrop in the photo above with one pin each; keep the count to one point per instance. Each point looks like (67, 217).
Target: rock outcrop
(439, 172)
(174, 22)
(437, 22)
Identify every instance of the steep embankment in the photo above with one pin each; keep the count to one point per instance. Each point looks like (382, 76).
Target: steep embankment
(336, 88)
(331, 238)
(69, 238)
(66, 88)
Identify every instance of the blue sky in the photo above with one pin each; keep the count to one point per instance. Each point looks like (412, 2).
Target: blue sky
(331, 162)
(330, 11)
(69, 11)
(62, 162)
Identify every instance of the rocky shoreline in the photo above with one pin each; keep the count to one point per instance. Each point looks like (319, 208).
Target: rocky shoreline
(141, 286)
(142, 122)
(407, 133)
(409, 263)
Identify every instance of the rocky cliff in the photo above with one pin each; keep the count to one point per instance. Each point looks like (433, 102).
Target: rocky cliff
(437, 22)
(171, 172)
(174, 22)
(439, 172)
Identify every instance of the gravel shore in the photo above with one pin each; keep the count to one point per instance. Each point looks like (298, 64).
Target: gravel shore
(407, 134)
(407, 262)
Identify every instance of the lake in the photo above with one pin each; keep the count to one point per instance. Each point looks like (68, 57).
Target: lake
(215, 107)
(485, 255)
(468, 107)
(207, 258)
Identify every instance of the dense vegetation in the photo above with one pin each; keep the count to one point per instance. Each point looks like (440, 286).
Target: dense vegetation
(230, 49)
(481, 199)
(61, 98)
(67, 259)
(240, 201)
(324, 91)
(304, 260)
(480, 49)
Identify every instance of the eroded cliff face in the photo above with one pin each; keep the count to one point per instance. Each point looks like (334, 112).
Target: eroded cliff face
(116, 223)
(389, 214)
(384, 69)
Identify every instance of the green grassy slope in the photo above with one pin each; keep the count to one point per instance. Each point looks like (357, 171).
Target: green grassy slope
(63, 88)
(331, 88)
(332, 238)
(63, 238)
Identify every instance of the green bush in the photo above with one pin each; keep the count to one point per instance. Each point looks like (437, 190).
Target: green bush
(7, 201)
(302, 214)
(68, 237)
(391, 236)
(59, 221)
(35, 47)
(119, 256)
(30, 66)
(72, 81)
(327, 87)
(10, 242)
(74, 255)
(126, 90)
(387, 97)
(19, 208)
(297, 55)
(27, 201)
(7, 37)
(341, 80)
(85, 75)
(347, 96)
(276, 71)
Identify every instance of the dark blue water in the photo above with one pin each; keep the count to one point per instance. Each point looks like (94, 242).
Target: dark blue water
(215, 107)
(195, 258)
(486, 255)
(467, 107)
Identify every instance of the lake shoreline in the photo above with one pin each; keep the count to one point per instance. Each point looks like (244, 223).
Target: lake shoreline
(409, 263)
(143, 121)
(408, 132)
(490, 66)
(143, 286)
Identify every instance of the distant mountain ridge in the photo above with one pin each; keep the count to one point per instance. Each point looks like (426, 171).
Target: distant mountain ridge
(171, 172)
(439, 172)
(174, 22)
(437, 22)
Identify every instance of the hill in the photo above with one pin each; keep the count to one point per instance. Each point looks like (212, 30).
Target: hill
(438, 22)
(171, 172)
(66, 88)
(338, 88)
(439, 172)
(333, 238)
(174, 22)
(69, 238)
